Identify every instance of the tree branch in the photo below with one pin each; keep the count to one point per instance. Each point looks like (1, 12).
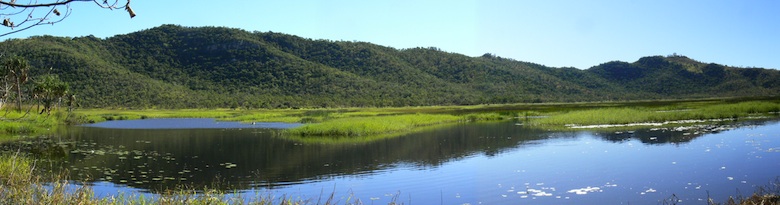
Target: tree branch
(25, 13)
(40, 21)
(14, 4)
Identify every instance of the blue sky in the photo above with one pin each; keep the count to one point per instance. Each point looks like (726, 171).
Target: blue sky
(552, 32)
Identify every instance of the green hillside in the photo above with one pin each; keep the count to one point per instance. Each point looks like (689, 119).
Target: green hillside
(180, 67)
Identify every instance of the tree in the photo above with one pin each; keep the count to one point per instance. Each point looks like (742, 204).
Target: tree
(16, 70)
(50, 89)
(5, 82)
(22, 16)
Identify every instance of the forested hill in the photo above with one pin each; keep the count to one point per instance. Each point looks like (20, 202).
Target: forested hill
(176, 67)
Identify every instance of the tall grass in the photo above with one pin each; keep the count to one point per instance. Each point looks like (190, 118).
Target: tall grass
(363, 126)
(283, 115)
(489, 116)
(14, 169)
(288, 116)
(100, 115)
(21, 123)
(764, 195)
(374, 121)
(628, 115)
(353, 140)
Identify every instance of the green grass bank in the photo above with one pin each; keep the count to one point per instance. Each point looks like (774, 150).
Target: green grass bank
(363, 126)
(15, 124)
(682, 112)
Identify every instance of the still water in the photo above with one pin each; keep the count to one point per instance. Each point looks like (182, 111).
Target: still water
(473, 163)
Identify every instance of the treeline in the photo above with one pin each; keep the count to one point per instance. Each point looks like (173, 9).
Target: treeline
(181, 67)
(19, 91)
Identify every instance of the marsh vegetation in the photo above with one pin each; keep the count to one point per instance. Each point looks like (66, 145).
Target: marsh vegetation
(680, 113)
(381, 121)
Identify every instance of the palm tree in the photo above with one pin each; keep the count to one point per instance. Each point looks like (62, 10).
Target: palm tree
(50, 89)
(16, 70)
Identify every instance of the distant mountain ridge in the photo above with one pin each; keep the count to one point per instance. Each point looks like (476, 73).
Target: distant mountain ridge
(183, 67)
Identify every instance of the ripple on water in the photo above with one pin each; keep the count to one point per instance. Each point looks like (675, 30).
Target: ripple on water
(534, 192)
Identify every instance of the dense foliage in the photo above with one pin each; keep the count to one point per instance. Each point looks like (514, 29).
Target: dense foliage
(180, 67)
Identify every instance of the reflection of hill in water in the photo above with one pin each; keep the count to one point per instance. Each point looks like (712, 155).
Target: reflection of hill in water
(157, 160)
(160, 159)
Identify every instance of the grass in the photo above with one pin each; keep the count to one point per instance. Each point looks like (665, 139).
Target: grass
(14, 124)
(764, 195)
(358, 139)
(755, 199)
(262, 115)
(322, 122)
(14, 169)
(362, 127)
(491, 116)
(381, 121)
(101, 115)
(676, 112)
(376, 125)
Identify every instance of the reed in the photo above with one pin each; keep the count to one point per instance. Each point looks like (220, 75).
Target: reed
(489, 116)
(100, 115)
(376, 125)
(282, 115)
(267, 116)
(353, 140)
(14, 169)
(14, 124)
(629, 115)
(374, 121)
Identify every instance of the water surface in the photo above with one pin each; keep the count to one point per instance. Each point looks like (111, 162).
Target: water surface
(474, 163)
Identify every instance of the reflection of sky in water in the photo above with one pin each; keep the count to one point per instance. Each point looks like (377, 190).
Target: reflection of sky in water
(187, 123)
(581, 170)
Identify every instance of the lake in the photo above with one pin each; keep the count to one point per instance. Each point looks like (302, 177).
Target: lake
(469, 163)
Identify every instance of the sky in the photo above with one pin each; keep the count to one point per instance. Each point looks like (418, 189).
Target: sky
(555, 33)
